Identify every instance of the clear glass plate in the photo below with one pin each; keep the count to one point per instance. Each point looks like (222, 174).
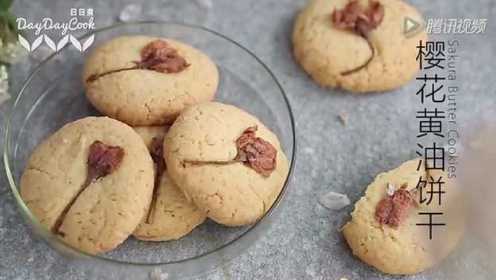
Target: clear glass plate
(53, 96)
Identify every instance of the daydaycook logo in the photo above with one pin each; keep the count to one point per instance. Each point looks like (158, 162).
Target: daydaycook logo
(81, 19)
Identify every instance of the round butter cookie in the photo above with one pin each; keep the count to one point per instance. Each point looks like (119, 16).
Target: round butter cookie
(357, 45)
(226, 161)
(90, 183)
(386, 228)
(144, 80)
(171, 216)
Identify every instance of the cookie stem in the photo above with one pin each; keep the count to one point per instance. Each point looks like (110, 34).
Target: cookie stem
(63, 214)
(95, 77)
(102, 160)
(217, 162)
(354, 70)
(156, 186)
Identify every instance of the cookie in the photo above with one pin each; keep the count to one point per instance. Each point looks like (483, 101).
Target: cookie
(144, 80)
(226, 161)
(359, 46)
(171, 216)
(90, 183)
(383, 230)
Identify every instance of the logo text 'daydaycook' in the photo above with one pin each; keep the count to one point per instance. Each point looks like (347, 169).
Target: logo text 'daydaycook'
(80, 20)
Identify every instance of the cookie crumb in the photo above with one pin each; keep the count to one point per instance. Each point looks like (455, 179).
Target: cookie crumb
(343, 118)
(334, 200)
(390, 189)
(157, 274)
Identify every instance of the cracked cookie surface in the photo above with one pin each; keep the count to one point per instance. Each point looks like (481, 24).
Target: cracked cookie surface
(117, 87)
(334, 57)
(405, 248)
(200, 152)
(108, 210)
(172, 216)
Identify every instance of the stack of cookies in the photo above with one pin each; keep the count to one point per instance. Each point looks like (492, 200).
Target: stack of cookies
(164, 159)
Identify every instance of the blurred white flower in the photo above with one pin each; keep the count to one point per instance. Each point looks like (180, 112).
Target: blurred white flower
(131, 12)
(4, 84)
(11, 52)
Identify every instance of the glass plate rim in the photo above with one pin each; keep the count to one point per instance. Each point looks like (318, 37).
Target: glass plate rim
(46, 234)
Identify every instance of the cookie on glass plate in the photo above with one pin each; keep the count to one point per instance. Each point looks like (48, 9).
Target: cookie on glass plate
(170, 215)
(144, 80)
(226, 161)
(90, 183)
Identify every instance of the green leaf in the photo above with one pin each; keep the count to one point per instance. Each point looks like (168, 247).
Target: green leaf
(5, 5)
(11, 20)
(8, 27)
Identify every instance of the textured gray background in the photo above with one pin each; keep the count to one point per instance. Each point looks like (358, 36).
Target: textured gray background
(380, 133)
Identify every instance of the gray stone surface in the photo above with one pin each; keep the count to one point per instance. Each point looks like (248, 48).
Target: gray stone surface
(304, 243)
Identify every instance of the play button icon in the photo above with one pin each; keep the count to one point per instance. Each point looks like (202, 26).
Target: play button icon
(411, 27)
